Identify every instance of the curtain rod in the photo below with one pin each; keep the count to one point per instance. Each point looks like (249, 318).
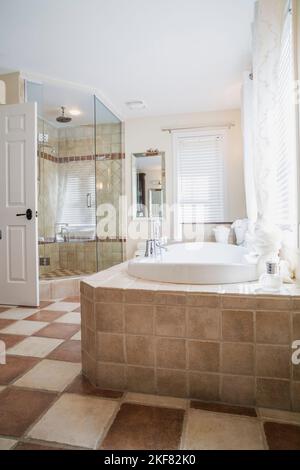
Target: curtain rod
(228, 125)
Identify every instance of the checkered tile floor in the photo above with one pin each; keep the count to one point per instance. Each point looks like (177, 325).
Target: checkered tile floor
(45, 403)
(61, 273)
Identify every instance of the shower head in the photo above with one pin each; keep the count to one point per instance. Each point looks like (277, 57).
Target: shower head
(63, 119)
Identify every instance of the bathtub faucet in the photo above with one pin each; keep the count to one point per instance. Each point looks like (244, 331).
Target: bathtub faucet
(154, 248)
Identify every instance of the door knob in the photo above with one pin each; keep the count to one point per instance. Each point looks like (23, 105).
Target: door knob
(28, 214)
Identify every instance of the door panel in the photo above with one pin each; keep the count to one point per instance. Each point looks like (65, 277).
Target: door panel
(18, 193)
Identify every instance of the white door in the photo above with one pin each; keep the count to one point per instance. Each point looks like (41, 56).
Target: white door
(18, 205)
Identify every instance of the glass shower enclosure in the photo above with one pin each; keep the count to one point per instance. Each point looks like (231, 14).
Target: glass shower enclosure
(80, 182)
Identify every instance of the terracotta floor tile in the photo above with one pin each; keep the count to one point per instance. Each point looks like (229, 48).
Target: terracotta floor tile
(145, 427)
(3, 309)
(54, 376)
(11, 340)
(5, 323)
(220, 408)
(59, 331)
(68, 351)
(20, 408)
(32, 446)
(219, 431)
(45, 303)
(83, 387)
(72, 299)
(75, 420)
(15, 367)
(282, 436)
(46, 316)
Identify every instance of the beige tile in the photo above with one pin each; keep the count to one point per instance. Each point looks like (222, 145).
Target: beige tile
(110, 376)
(139, 319)
(17, 313)
(141, 379)
(109, 295)
(238, 390)
(171, 382)
(50, 375)
(204, 323)
(168, 298)
(140, 350)
(279, 415)
(77, 336)
(139, 296)
(274, 303)
(35, 347)
(62, 306)
(171, 353)
(210, 431)
(75, 420)
(71, 317)
(2, 388)
(237, 325)
(204, 386)
(170, 321)
(273, 361)
(296, 396)
(110, 347)
(273, 393)
(7, 444)
(296, 326)
(238, 302)
(24, 328)
(204, 356)
(110, 318)
(238, 358)
(88, 313)
(156, 400)
(273, 327)
(202, 300)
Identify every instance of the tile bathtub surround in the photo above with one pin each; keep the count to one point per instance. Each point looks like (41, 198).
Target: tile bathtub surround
(172, 340)
(65, 411)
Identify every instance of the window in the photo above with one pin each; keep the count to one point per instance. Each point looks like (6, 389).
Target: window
(200, 177)
(77, 193)
(285, 200)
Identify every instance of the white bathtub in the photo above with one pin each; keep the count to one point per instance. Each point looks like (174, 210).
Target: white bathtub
(196, 263)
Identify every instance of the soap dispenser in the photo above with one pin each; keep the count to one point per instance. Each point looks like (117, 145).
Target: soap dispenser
(271, 280)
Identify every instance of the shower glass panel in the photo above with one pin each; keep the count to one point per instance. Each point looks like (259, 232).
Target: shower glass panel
(109, 186)
(66, 174)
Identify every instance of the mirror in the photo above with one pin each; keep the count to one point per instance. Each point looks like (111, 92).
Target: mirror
(148, 184)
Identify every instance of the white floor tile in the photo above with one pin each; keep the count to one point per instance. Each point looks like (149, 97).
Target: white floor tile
(62, 306)
(35, 347)
(24, 328)
(71, 317)
(50, 375)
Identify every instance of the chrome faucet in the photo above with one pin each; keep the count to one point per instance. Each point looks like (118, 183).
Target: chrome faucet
(154, 248)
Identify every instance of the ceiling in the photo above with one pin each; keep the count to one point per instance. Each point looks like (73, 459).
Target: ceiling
(177, 55)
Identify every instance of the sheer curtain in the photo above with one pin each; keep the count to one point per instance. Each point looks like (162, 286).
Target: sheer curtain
(264, 146)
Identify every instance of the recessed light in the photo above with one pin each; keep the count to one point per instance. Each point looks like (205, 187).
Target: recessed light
(138, 104)
(74, 112)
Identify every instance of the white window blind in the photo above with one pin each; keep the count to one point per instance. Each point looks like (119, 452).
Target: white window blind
(285, 205)
(77, 193)
(200, 178)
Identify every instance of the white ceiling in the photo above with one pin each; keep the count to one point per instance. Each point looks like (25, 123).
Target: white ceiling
(177, 55)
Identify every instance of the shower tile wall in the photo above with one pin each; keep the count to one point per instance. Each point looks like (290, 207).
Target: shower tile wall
(64, 146)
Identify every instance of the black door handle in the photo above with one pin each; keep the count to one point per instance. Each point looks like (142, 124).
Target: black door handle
(28, 214)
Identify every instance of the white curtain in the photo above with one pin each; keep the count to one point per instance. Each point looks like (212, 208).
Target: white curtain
(267, 33)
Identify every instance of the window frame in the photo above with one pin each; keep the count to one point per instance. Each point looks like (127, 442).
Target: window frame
(199, 132)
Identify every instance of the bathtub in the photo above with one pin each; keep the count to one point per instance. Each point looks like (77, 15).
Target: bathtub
(196, 263)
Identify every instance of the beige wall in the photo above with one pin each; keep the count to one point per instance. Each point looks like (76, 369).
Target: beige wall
(14, 87)
(142, 134)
